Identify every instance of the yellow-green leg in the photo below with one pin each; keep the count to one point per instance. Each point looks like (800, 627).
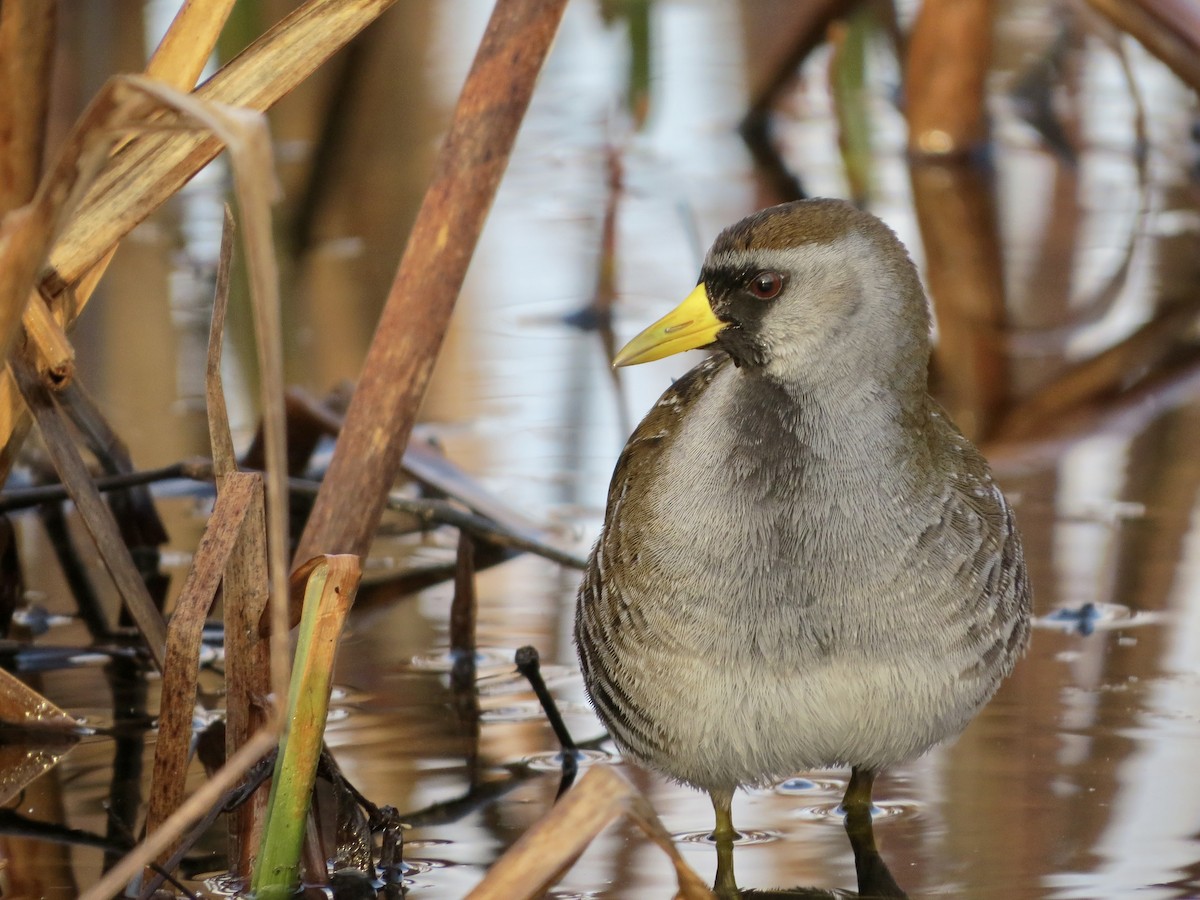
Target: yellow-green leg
(725, 886)
(858, 791)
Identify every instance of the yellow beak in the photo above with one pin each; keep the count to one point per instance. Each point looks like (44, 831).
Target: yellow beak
(689, 325)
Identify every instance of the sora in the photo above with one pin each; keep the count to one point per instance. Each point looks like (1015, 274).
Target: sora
(804, 563)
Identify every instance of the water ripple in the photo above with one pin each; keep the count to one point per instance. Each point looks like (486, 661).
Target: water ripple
(745, 837)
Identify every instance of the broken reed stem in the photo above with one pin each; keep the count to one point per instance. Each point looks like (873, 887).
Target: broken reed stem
(181, 672)
(463, 614)
(529, 664)
(219, 435)
(245, 598)
(328, 595)
(414, 321)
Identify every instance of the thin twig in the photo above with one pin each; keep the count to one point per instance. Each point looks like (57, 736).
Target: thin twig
(23, 498)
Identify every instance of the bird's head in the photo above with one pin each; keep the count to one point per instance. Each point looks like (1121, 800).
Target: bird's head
(800, 291)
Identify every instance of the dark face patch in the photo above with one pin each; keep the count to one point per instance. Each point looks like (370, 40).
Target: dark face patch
(732, 301)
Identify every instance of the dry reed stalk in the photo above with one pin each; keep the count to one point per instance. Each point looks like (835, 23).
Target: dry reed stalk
(949, 52)
(26, 54)
(152, 167)
(180, 56)
(247, 670)
(245, 596)
(181, 672)
(544, 852)
(244, 133)
(414, 321)
(1170, 29)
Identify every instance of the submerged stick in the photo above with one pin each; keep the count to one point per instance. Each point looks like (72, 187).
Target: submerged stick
(529, 665)
(414, 321)
(463, 615)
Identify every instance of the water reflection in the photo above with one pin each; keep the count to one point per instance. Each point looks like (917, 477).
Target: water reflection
(1069, 348)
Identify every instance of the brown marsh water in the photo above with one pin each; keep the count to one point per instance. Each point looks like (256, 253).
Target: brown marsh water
(1080, 780)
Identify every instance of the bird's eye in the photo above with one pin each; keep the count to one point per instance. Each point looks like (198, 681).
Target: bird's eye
(766, 285)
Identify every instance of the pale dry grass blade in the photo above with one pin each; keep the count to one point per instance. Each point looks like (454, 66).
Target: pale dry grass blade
(178, 61)
(544, 852)
(189, 42)
(153, 167)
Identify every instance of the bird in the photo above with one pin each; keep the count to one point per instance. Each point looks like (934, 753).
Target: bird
(804, 563)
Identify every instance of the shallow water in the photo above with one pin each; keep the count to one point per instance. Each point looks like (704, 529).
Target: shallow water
(1077, 781)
